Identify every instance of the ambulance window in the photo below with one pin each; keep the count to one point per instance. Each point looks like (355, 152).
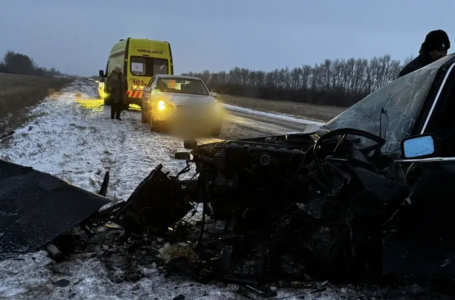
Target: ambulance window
(148, 66)
(138, 66)
(160, 66)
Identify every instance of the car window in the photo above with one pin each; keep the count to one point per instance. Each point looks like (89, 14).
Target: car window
(181, 86)
(401, 101)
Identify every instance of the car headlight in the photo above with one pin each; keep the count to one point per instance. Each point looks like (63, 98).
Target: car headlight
(161, 105)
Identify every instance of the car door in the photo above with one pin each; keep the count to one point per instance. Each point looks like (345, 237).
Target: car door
(420, 239)
(435, 104)
(422, 242)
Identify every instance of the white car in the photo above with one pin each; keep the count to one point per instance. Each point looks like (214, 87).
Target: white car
(184, 100)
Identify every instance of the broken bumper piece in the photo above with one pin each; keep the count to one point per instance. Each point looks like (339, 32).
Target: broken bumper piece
(36, 207)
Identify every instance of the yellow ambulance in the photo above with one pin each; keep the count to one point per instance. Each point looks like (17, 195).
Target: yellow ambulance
(141, 60)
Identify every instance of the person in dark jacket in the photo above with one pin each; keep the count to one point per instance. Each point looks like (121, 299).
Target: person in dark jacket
(433, 48)
(117, 87)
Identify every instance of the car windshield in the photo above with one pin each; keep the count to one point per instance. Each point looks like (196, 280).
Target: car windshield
(398, 104)
(181, 86)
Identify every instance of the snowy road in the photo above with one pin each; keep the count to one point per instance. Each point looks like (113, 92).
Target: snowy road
(78, 142)
(243, 125)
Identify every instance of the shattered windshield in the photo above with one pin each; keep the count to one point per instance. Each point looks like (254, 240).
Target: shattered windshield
(398, 104)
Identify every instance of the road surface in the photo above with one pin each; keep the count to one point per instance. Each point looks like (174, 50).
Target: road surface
(243, 125)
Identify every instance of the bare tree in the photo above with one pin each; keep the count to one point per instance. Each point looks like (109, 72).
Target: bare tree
(340, 82)
(17, 63)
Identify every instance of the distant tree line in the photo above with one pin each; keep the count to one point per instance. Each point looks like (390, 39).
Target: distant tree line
(21, 64)
(340, 82)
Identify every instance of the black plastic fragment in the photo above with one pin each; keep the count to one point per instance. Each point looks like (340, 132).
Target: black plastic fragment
(36, 207)
(104, 185)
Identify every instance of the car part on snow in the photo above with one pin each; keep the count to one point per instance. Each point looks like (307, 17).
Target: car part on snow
(182, 155)
(53, 251)
(104, 185)
(190, 144)
(36, 207)
(158, 202)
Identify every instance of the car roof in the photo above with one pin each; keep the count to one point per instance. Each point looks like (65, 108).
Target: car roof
(177, 76)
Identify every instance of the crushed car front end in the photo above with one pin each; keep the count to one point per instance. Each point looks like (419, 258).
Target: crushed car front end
(314, 203)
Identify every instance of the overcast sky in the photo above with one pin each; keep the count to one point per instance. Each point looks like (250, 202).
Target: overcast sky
(75, 36)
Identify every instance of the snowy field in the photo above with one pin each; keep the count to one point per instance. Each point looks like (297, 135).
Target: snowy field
(78, 142)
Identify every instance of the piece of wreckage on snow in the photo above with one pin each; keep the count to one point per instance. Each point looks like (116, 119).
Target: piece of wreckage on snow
(368, 194)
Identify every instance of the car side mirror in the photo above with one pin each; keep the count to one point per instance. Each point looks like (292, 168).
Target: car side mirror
(101, 73)
(419, 146)
(147, 90)
(213, 94)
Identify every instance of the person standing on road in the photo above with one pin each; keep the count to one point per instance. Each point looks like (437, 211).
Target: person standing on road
(117, 87)
(433, 48)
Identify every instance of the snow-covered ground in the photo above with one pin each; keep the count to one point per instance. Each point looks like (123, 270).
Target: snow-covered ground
(79, 143)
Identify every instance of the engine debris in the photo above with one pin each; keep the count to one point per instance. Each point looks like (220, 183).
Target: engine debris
(292, 207)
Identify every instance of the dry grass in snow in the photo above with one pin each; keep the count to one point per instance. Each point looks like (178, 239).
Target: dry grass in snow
(19, 92)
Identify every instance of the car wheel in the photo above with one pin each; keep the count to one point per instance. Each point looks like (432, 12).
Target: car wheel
(144, 118)
(216, 131)
(157, 126)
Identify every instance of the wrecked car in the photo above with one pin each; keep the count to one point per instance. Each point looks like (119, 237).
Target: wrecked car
(368, 194)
